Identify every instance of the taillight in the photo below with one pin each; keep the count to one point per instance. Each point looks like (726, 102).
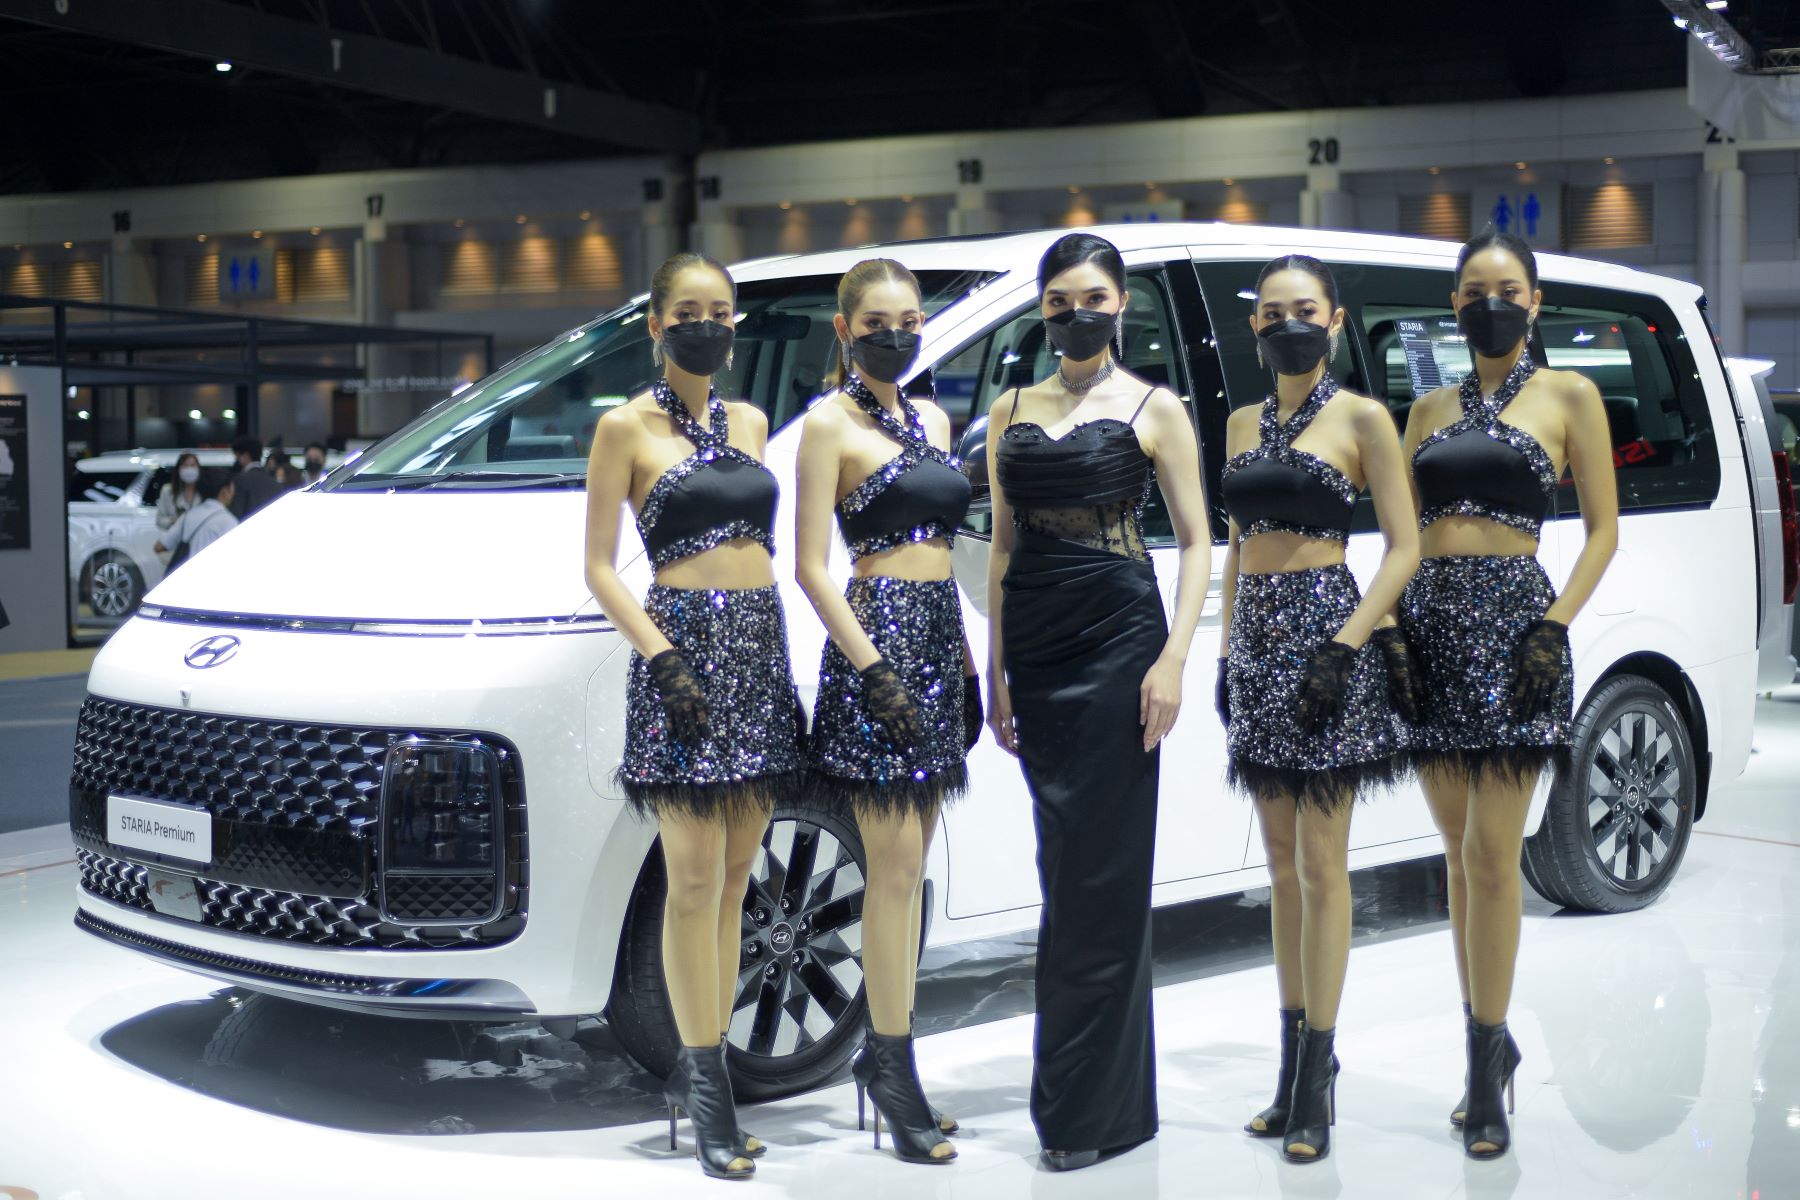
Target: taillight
(1790, 532)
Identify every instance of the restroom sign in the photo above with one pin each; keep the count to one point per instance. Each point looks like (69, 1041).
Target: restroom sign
(1532, 212)
(247, 273)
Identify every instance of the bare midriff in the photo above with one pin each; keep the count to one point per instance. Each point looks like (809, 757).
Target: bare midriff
(924, 562)
(736, 565)
(1473, 536)
(1276, 552)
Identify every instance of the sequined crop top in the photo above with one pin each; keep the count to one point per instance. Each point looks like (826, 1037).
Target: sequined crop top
(1088, 486)
(1479, 466)
(1274, 488)
(917, 496)
(715, 495)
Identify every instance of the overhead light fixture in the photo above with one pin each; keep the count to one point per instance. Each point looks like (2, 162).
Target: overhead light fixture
(200, 237)
(1518, 166)
(72, 391)
(458, 222)
(195, 414)
(1149, 185)
(785, 205)
(906, 199)
(1073, 190)
(1708, 22)
(1431, 170)
(229, 414)
(1607, 160)
(256, 233)
(66, 246)
(1716, 5)
(586, 215)
(1681, 22)
(520, 219)
(851, 201)
(1230, 182)
(221, 66)
(82, 415)
(315, 231)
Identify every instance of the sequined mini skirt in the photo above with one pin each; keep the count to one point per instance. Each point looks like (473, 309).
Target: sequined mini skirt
(1278, 621)
(1463, 616)
(736, 642)
(917, 625)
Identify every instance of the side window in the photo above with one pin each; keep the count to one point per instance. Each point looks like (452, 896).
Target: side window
(1016, 355)
(108, 487)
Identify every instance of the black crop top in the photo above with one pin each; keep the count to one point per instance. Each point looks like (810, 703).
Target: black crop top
(715, 495)
(1274, 488)
(1089, 486)
(916, 496)
(1479, 466)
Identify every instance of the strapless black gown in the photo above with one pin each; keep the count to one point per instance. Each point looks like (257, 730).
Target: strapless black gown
(1082, 621)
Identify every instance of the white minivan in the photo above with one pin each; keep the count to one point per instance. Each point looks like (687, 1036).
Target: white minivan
(386, 783)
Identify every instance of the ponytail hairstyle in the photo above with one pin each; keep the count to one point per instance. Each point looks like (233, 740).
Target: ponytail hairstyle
(855, 284)
(1512, 243)
(663, 282)
(1073, 249)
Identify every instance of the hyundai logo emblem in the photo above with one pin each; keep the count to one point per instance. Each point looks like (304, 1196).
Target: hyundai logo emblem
(781, 938)
(212, 651)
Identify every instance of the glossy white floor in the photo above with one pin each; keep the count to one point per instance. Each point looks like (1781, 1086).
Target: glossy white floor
(1662, 1058)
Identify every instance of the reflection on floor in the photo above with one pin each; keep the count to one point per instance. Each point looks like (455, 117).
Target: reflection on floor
(1662, 1057)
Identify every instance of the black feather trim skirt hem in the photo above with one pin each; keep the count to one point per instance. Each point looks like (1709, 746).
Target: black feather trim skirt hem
(923, 793)
(1505, 766)
(739, 799)
(1326, 789)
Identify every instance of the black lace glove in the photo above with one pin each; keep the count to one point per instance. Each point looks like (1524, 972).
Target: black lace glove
(1222, 695)
(973, 716)
(888, 701)
(1322, 691)
(1406, 683)
(1538, 665)
(683, 698)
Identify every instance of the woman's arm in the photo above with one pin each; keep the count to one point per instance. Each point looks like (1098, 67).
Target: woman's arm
(1589, 441)
(1237, 436)
(1176, 453)
(610, 463)
(999, 556)
(815, 496)
(165, 507)
(1384, 469)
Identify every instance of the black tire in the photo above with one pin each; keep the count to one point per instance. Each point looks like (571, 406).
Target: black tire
(800, 1005)
(1616, 829)
(112, 584)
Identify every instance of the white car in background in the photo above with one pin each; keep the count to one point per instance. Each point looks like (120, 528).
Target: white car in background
(112, 524)
(389, 780)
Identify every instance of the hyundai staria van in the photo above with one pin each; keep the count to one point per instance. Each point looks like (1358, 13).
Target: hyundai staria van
(385, 783)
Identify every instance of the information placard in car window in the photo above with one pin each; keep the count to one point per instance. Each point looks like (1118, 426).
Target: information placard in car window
(1436, 353)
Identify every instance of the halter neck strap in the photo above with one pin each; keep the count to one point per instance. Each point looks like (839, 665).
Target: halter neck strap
(908, 429)
(717, 434)
(1487, 408)
(1276, 432)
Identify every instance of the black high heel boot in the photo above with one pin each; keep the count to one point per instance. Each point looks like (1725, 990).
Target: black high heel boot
(745, 1137)
(1313, 1110)
(700, 1086)
(887, 1076)
(1462, 1106)
(1275, 1117)
(944, 1123)
(1493, 1060)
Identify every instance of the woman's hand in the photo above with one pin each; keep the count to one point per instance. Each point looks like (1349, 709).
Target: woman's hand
(1159, 700)
(1000, 714)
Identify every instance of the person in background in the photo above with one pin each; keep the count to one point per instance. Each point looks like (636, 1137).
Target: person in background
(180, 493)
(315, 463)
(200, 526)
(253, 486)
(281, 467)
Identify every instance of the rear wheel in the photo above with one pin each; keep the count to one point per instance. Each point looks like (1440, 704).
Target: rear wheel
(114, 585)
(799, 1004)
(1616, 830)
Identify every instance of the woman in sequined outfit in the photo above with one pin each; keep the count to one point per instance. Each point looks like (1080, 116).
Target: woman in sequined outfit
(711, 725)
(1489, 631)
(893, 721)
(1304, 672)
(1085, 681)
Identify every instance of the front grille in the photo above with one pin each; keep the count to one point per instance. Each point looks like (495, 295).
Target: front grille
(296, 811)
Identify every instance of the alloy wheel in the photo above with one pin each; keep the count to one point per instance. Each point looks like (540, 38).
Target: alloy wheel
(798, 973)
(1634, 796)
(113, 592)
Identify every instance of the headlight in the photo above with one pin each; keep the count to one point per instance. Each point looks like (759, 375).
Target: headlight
(441, 831)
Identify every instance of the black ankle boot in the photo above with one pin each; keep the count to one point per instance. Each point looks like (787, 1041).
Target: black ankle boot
(944, 1123)
(1275, 1117)
(745, 1137)
(1493, 1059)
(700, 1086)
(888, 1074)
(1313, 1110)
(1462, 1106)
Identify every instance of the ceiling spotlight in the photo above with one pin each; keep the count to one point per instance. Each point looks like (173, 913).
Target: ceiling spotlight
(786, 204)
(1431, 170)
(66, 246)
(586, 215)
(229, 414)
(222, 66)
(1607, 160)
(315, 231)
(200, 237)
(851, 201)
(906, 199)
(1230, 182)
(1149, 185)
(520, 219)
(256, 233)
(1073, 190)
(195, 414)
(1518, 166)
(1716, 5)
(458, 222)
(82, 415)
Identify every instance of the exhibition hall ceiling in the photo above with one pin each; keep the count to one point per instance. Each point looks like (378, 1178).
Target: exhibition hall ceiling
(133, 93)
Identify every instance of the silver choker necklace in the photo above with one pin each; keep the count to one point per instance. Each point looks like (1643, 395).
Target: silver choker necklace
(1090, 383)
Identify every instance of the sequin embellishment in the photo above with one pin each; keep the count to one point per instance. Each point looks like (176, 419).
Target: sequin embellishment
(1483, 414)
(1277, 445)
(710, 445)
(915, 448)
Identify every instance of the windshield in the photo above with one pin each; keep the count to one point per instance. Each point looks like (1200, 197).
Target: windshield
(531, 423)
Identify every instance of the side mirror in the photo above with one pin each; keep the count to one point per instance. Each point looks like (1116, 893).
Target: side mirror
(972, 449)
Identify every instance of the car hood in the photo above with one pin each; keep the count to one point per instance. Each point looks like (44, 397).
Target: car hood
(436, 556)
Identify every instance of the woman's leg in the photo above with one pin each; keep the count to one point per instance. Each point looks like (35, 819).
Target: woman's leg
(694, 861)
(1322, 859)
(1491, 844)
(927, 827)
(743, 838)
(1447, 795)
(893, 847)
(1275, 817)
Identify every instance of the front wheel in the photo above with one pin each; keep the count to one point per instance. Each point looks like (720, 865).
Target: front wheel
(799, 1003)
(114, 585)
(1616, 829)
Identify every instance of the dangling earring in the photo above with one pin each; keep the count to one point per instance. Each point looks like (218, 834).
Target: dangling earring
(1334, 349)
(1119, 337)
(1259, 357)
(728, 357)
(844, 359)
(656, 352)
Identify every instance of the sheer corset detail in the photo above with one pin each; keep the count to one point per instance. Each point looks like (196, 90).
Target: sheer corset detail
(1088, 486)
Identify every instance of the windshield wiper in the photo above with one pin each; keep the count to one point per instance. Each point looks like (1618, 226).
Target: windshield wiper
(473, 478)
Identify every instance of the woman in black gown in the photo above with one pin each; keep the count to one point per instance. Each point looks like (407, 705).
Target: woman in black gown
(1085, 681)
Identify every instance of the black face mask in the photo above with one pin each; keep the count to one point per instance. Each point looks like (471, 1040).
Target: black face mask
(1081, 333)
(1493, 325)
(1293, 346)
(698, 347)
(885, 354)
